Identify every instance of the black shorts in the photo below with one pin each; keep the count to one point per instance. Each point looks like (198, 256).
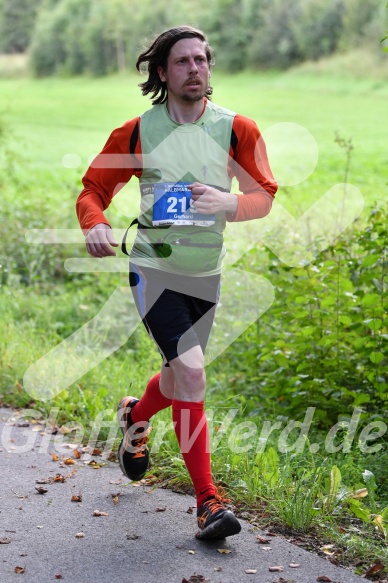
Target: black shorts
(177, 310)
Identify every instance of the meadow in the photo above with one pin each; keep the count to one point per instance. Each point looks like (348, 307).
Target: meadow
(321, 345)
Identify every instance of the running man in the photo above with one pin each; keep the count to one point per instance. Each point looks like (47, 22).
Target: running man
(184, 151)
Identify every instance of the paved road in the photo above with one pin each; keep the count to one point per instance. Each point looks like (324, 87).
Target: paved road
(147, 536)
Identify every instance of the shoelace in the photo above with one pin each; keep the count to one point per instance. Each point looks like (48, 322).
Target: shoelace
(137, 446)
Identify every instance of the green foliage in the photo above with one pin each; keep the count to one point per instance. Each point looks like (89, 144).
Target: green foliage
(17, 19)
(104, 36)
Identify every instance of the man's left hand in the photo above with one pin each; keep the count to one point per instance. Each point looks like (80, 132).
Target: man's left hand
(209, 200)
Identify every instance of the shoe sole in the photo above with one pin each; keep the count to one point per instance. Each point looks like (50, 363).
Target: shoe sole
(227, 525)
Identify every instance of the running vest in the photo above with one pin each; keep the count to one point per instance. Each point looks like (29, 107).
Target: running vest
(181, 153)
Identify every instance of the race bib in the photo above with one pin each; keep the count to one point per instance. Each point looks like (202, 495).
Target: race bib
(173, 205)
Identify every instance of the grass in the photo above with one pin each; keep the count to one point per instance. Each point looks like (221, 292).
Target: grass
(41, 303)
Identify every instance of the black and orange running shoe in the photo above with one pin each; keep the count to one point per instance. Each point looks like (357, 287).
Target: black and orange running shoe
(215, 521)
(133, 451)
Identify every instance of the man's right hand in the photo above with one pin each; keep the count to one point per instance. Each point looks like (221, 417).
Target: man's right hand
(99, 241)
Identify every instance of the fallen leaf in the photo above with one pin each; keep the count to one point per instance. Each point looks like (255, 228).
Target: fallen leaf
(196, 579)
(41, 490)
(261, 540)
(161, 508)
(76, 498)
(342, 530)
(327, 549)
(224, 551)
(115, 482)
(99, 513)
(69, 461)
(190, 510)
(115, 499)
(80, 535)
(324, 578)
(44, 481)
(58, 576)
(96, 451)
(59, 478)
(294, 565)
(20, 570)
(251, 571)
(270, 534)
(375, 568)
(266, 548)
(191, 552)
(40, 526)
(218, 569)
(77, 454)
(133, 536)
(276, 568)
(55, 457)
(361, 493)
(5, 541)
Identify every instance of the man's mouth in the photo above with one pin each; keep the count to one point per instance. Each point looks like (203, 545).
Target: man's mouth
(193, 83)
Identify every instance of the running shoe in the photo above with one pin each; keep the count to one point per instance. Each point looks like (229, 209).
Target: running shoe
(215, 521)
(133, 451)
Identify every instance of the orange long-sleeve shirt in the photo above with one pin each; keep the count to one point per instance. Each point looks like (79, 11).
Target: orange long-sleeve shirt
(247, 161)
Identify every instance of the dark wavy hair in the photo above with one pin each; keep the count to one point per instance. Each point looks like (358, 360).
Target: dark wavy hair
(157, 54)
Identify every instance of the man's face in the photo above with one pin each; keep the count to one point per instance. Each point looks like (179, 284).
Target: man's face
(187, 73)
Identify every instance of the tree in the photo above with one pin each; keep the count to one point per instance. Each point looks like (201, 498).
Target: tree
(17, 19)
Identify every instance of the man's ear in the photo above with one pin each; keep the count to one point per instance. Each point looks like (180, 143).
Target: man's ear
(161, 73)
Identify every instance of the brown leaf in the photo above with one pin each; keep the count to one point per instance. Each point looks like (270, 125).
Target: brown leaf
(276, 568)
(55, 457)
(224, 551)
(324, 578)
(115, 499)
(41, 490)
(76, 498)
(96, 451)
(270, 534)
(115, 482)
(133, 536)
(69, 461)
(190, 510)
(375, 568)
(80, 535)
(342, 530)
(251, 571)
(294, 565)
(77, 454)
(5, 541)
(196, 579)
(261, 540)
(44, 481)
(218, 569)
(59, 478)
(161, 509)
(58, 576)
(20, 570)
(361, 493)
(100, 513)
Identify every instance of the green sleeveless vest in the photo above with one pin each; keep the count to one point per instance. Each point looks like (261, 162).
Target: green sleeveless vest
(173, 152)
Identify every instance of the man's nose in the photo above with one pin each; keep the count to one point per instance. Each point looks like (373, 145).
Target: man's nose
(193, 66)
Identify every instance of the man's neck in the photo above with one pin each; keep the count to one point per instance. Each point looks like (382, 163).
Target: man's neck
(185, 111)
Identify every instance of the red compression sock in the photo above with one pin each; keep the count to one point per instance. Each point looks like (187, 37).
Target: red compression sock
(192, 432)
(151, 402)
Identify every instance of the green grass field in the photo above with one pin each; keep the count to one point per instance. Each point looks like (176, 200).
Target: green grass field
(41, 304)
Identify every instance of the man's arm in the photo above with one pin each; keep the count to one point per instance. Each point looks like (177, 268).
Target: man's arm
(249, 163)
(107, 174)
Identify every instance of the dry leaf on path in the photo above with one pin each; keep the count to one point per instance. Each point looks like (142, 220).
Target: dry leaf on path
(294, 565)
(324, 578)
(276, 568)
(69, 461)
(55, 457)
(191, 552)
(41, 490)
(224, 551)
(251, 571)
(100, 513)
(196, 579)
(5, 541)
(20, 570)
(80, 535)
(76, 498)
(58, 576)
(261, 540)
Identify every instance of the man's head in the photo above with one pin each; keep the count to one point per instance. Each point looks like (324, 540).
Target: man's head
(164, 64)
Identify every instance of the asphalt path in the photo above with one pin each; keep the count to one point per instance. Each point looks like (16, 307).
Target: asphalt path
(141, 533)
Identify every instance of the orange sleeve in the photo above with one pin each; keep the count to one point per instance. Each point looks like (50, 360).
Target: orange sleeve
(249, 164)
(108, 173)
